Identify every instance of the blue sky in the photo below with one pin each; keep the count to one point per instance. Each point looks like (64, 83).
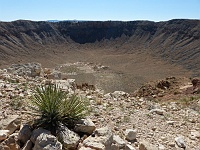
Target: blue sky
(125, 10)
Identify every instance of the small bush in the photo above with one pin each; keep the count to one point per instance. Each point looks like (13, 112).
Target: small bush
(54, 107)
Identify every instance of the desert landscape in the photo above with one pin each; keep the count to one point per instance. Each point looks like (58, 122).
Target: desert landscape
(161, 49)
(141, 80)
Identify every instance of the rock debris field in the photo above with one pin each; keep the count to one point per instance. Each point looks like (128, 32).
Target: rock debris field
(163, 115)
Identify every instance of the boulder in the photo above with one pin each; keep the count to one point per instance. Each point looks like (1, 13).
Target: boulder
(46, 141)
(102, 139)
(24, 134)
(130, 134)
(85, 126)
(37, 132)
(11, 123)
(68, 138)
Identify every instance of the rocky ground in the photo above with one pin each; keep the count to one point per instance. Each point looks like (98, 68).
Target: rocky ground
(161, 115)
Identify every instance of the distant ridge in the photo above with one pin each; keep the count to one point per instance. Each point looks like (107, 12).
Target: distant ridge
(66, 20)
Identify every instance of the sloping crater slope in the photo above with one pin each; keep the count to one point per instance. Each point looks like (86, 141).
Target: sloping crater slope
(115, 43)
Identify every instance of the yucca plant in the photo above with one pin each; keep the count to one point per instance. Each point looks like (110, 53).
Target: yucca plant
(53, 107)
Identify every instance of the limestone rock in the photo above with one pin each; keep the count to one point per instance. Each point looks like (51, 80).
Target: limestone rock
(157, 111)
(11, 123)
(144, 145)
(101, 139)
(119, 141)
(46, 141)
(66, 84)
(85, 126)
(130, 134)
(180, 142)
(69, 138)
(161, 147)
(37, 132)
(3, 134)
(24, 134)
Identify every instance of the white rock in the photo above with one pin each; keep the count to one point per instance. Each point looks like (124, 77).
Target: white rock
(161, 147)
(85, 126)
(170, 122)
(119, 141)
(69, 138)
(129, 147)
(157, 111)
(180, 142)
(130, 134)
(108, 96)
(3, 134)
(66, 84)
(47, 141)
(101, 139)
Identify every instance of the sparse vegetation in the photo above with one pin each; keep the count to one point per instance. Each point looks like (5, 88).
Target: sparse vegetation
(54, 106)
(190, 102)
(186, 101)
